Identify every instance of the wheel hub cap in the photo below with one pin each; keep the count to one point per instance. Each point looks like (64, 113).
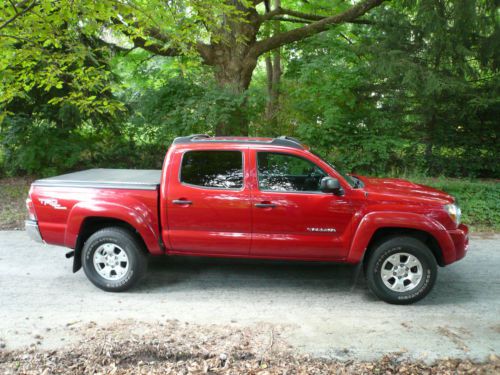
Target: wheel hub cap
(401, 272)
(111, 261)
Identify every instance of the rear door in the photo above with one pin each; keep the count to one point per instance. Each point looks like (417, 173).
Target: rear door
(292, 218)
(208, 205)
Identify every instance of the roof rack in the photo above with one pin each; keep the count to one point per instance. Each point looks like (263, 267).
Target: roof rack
(279, 141)
(287, 141)
(190, 138)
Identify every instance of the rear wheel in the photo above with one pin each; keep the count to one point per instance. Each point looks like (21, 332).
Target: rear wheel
(113, 259)
(401, 270)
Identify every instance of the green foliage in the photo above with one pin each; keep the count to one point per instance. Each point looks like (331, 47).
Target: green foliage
(63, 45)
(325, 105)
(181, 107)
(417, 91)
(29, 147)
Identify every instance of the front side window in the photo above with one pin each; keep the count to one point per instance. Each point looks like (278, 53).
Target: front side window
(285, 172)
(213, 169)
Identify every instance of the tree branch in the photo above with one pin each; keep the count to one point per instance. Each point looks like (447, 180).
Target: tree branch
(305, 16)
(18, 14)
(288, 19)
(115, 47)
(313, 28)
(148, 45)
(155, 48)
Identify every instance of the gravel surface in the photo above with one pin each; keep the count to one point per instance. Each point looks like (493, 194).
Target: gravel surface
(310, 306)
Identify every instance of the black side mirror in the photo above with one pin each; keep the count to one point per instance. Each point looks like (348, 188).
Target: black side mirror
(330, 185)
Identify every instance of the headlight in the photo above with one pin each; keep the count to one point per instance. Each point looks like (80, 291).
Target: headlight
(454, 212)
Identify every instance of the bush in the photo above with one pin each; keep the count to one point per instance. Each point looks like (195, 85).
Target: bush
(38, 147)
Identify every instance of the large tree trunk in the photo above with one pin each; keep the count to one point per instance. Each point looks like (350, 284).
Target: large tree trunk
(234, 66)
(233, 77)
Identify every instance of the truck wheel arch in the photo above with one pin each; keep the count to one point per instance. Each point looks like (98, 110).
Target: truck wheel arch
(92, 224)
(377, 226)
(384, 233)
(131, 211)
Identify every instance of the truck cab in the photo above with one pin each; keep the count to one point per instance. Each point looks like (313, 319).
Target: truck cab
(268, 198)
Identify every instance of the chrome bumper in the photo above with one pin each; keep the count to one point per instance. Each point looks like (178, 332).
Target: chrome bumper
(32, 230)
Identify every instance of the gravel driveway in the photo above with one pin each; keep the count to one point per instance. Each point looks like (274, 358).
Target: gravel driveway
(42, 302)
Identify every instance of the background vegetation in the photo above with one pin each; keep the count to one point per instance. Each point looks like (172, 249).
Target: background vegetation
(412, 88)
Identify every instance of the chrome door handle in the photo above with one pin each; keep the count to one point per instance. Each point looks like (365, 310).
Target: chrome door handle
(181, 201)
(265, 205)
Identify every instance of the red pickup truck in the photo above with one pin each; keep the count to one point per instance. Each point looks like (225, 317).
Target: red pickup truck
(249, 198)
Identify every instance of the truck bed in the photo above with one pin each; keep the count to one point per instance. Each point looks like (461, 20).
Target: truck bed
(139, 179)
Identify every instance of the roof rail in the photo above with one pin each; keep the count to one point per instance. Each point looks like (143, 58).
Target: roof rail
(190, 138)
(287, 141)
(280, 141)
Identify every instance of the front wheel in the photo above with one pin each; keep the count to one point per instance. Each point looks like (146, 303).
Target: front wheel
(401, 270)
(113, 259)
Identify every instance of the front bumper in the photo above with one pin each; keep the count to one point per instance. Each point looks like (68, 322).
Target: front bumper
(32, 230)
(460, 238)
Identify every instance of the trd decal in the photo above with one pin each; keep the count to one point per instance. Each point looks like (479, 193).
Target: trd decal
(54, 203)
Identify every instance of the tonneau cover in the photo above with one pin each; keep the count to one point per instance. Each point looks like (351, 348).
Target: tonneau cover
(139, 179)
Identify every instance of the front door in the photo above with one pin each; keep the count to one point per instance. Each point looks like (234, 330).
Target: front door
(292, 218)
(209, 208)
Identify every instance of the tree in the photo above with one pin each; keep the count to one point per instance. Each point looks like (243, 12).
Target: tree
(417, 92)
(41, 39)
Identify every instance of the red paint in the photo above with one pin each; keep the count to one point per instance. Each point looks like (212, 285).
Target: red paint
(226, 223)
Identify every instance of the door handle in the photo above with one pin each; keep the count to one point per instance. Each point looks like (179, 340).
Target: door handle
(182, 201)
(265, 205)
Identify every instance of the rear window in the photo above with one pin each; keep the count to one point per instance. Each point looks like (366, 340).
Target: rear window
(213, 169)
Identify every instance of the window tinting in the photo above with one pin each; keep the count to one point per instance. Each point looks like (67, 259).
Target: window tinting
(284, 172)
(214, 169)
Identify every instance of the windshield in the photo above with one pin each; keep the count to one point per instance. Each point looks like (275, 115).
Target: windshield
(351, 180)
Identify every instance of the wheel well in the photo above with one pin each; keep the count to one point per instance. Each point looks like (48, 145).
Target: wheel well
(382, 233)
(91, 225)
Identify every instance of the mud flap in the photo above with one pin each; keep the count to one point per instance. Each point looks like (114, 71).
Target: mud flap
(357, 272)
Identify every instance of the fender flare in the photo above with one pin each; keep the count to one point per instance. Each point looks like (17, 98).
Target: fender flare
(374, 221)
(137, 215)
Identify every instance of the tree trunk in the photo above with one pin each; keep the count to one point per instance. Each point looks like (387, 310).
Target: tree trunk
(273, 68)
(429, 146)
(233, 77)
(234, 66)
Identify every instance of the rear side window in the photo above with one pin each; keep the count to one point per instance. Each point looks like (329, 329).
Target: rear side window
(213, 169)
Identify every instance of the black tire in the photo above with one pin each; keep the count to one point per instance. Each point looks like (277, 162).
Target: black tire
(391, 247)
(124, 240)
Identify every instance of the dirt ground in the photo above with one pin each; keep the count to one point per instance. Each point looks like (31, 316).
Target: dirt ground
(13, 194)
(183, 348)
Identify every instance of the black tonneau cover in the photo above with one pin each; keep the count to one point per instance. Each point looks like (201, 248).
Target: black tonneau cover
(138, 179)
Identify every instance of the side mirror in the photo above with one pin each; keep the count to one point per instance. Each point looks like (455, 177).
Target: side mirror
(330, 185)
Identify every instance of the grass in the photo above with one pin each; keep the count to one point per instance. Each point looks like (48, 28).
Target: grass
(13, 194)
(479, 200)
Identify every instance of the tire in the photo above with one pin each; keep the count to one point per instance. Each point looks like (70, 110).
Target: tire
(394, 267)
(113, 259)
